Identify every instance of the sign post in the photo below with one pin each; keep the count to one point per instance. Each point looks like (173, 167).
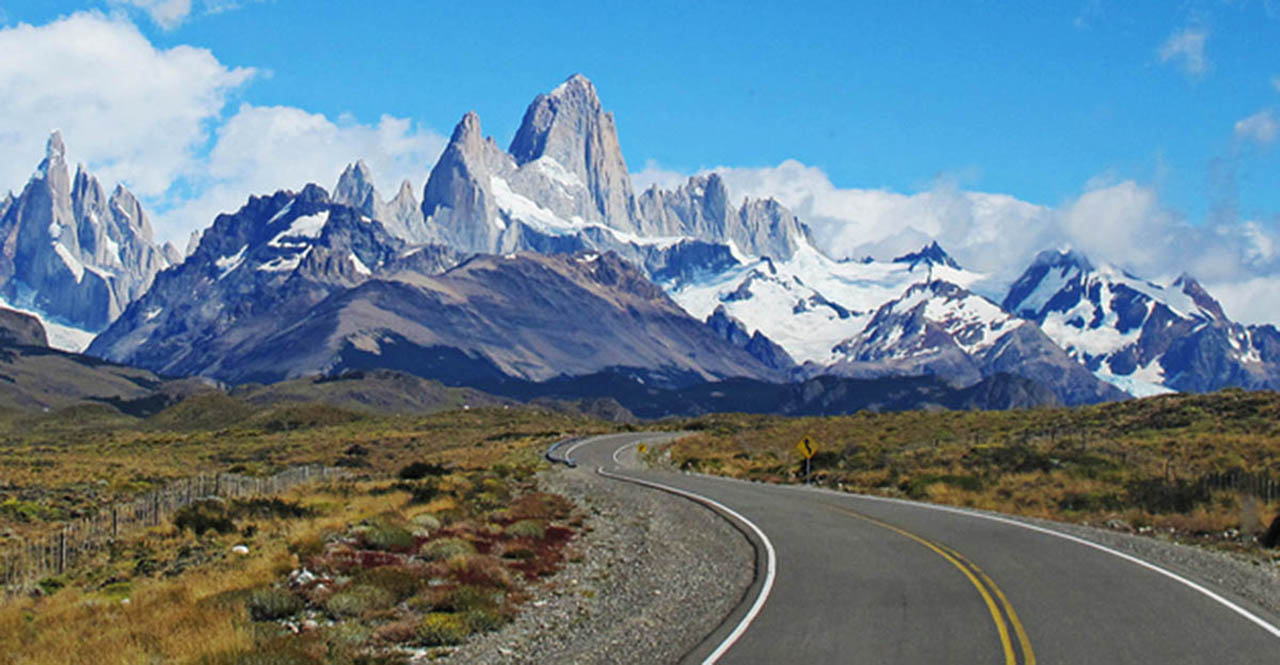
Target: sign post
(807, 448)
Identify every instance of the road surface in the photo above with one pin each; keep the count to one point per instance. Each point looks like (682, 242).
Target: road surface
(854, 579)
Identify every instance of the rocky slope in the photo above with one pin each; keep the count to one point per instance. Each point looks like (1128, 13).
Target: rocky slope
(72, 252)
(296, 284)
(1145, 337)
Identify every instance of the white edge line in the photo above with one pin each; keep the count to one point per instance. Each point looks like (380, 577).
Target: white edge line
(771, 566)
(1259, 621)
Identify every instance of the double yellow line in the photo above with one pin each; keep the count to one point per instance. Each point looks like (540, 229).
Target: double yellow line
(981, 581)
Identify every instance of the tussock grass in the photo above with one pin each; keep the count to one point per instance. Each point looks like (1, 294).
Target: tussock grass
(1144, 465)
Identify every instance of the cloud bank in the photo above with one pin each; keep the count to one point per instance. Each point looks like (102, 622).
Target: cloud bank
(157, 120)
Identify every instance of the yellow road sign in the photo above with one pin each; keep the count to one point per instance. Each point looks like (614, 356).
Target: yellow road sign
(642, 448)
(807, 448)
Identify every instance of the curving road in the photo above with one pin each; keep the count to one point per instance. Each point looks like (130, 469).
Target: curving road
(854, 579)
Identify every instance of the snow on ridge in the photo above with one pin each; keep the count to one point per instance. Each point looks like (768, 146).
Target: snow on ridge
(70, 261)
(522, 209)
(307, 226)
(359, 265)
(557, 173)
(284, 263)
(282, 212)
(227, 264)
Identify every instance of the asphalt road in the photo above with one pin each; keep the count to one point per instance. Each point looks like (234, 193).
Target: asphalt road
(856, 579)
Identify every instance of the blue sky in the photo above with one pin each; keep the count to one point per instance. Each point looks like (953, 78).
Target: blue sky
(1041, 102)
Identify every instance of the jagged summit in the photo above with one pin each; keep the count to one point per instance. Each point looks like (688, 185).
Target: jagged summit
(571, 127)
(931, 254)
(73, 252)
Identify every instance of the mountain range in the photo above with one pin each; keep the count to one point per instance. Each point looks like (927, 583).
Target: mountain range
(540, 263)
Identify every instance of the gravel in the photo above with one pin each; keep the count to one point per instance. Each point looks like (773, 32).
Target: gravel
(657, 574)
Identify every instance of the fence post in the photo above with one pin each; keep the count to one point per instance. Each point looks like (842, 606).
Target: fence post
(62, 550)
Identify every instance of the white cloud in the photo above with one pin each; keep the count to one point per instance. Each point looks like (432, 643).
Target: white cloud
(152, 119)
(1261, 127)
(168, 14)
(1186, 48)
(1119, 222)
(131, 111)
(260, 150)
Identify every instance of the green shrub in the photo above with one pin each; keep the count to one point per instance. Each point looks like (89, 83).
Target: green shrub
(534, 529)
(484, 620)
(428, 521)
(387, 538)
(467, 597)
(443, 628)
(359, 599)
(271, 604)
(445, 548)
(400, 581)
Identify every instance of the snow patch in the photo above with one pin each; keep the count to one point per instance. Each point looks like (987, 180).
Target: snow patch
(227, 264)
(61, 335)
(284, 263)
(152, 313)
(557, 173)
(283, 211)
(359, 265)
(518, 207)
(70, 261)
(308, 226)
(1133, 385)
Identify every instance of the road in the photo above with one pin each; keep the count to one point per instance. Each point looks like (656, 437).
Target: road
(854, 579)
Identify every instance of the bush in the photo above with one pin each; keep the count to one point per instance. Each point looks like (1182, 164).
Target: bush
(467, 597)
(359, 599)
(387, 538)
(484, 620)
(1156, 495)
(443, 628)
(272, 604)
(420, 470)
(534, 529)
(445, 548)
(482, 570)
(400, 581)
(427, 521)
(205, 515)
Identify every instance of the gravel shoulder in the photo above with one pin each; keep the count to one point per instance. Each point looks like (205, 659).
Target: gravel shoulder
(657, 574)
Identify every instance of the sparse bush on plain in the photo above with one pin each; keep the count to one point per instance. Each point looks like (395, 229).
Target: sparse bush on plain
(271, 604)
(443, 628)
(534, 529)
(445, 548)
(359, 599)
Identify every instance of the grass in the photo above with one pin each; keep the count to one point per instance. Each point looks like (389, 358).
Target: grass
(179, 593)
(1143, 465)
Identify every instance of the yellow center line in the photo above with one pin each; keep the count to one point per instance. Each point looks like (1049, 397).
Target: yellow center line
(1028, 655)
(1001, 628)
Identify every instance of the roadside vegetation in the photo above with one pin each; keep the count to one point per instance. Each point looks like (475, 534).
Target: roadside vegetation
(1204, 468)
(437, 533)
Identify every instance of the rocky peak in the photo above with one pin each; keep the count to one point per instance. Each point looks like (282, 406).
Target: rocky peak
(1207, 304)
(570, 127)
(931, 255)
(355, 188)
(53, 169)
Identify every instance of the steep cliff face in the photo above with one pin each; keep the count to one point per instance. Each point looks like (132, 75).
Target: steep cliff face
(70, 251)
(563, 187)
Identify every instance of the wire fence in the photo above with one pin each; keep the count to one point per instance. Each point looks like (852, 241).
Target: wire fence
(22, 567)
